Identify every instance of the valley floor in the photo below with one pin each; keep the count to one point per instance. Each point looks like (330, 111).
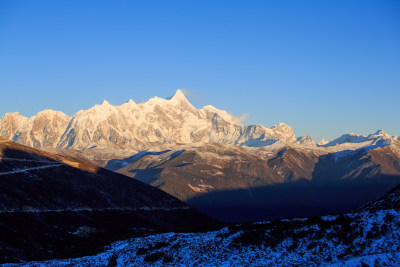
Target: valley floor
(368, 237)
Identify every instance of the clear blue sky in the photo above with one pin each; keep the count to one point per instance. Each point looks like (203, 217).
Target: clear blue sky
(323, 67)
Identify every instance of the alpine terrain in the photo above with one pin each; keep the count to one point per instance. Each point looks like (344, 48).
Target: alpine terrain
(210, 160)
(166, 174)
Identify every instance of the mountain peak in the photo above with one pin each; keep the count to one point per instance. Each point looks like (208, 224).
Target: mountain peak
(12, 114)
(179, 96)
(105, 103)
(283, 127)
(50, 112)
(380, 132)
(323, 142)
(282, 124)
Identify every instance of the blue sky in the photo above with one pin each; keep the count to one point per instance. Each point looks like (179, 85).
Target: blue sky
(323, 67)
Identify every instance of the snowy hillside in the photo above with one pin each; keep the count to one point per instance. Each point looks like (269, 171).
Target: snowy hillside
(368, 237)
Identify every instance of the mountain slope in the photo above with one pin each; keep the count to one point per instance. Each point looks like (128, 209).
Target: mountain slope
(234, 183)
(57, 206)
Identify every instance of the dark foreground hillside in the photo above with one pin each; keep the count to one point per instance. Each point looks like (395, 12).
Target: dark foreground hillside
(369, 236)
(55, 206)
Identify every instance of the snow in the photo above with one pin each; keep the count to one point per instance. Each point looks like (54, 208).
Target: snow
(221, 113)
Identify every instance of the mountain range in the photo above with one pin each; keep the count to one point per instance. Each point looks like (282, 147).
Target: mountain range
(80, 182)
(157, 121)
(210, 160)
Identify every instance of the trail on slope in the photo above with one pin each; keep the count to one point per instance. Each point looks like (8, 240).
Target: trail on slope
(29, 169)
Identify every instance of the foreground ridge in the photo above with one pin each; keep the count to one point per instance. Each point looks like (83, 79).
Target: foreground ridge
(369, 236)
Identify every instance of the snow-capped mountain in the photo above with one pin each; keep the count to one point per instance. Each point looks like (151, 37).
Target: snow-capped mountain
(379, 138)
(157, 121)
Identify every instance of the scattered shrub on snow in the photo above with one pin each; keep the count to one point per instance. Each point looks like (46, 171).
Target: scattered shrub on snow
(141, 251)
(374, 232)
(312, 245)
(388, 218)
(249, 238)
(159, 245)
(293, 246)
(167, 259)
(153, 257)
(112, 261)
(175, 246)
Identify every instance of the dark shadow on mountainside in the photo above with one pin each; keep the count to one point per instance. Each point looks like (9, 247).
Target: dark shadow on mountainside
(49, 209)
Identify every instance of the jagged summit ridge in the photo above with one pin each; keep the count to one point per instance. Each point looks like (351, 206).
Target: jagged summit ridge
(157, 121)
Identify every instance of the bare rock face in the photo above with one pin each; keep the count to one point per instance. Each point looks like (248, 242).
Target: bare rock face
(131, 125)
